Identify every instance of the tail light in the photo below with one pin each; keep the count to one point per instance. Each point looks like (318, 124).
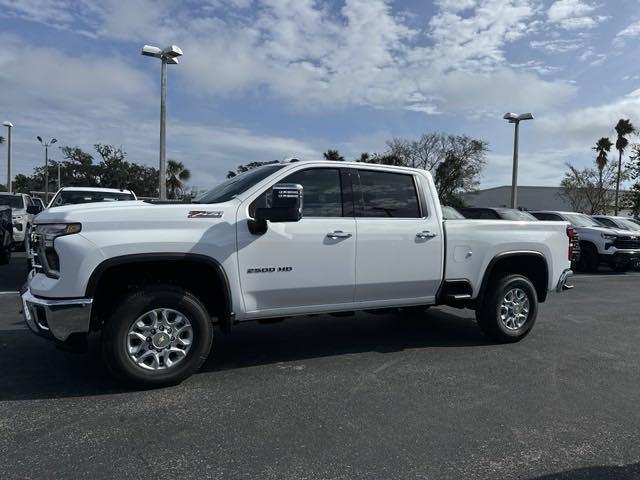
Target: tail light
(574, 244)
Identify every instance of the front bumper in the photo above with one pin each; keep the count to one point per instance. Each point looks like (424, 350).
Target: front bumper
(562, 285)
(56, 319)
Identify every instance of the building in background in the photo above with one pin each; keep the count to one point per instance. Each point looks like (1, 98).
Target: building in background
(529, 198)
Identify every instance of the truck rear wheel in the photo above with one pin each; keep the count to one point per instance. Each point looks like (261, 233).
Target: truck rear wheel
(157, 336)
(509, 309)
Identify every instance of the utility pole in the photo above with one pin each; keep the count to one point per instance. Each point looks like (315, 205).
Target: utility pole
(9, 126)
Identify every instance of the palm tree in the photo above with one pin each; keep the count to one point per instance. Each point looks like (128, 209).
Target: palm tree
(623, 129)
(333, 155)
(603, 147)
(176, 175)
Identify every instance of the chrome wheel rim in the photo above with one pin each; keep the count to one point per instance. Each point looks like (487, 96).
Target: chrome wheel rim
(159, 339)
(514, 309)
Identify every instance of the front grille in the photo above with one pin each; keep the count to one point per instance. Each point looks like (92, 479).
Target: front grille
(627, 242)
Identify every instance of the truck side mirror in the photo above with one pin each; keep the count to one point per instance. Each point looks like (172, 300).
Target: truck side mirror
(34, 209)
(286, 206)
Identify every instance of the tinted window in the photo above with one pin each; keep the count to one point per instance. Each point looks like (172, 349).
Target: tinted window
(551, 217)
(385, 194)
(321, 193)
(512, 214)
(606, 222)
(74, 197)
(580, 220)
(450, 213)
(479, 213)
(237, 185)
(13, 201)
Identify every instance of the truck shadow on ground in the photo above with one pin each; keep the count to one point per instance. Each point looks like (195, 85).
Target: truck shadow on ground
(35, 369)
(602, 472)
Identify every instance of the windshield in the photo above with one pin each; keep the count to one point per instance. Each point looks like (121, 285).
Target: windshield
(74, 197)
(508, 214)
(450, 213)
(13, 201)
(236, 185)
(628, 224)
(580, 220)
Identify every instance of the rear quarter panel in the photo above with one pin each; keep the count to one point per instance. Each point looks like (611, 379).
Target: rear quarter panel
(472, 244)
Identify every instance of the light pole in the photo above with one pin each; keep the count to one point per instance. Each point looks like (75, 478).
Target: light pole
(9, 126)
(169, 56)
(46, 165)
(515, 118)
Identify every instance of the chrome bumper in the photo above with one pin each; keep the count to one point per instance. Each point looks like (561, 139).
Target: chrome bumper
(562, 282)
(56, 319)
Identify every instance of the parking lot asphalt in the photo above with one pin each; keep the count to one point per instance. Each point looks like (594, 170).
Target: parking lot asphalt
(370, 396)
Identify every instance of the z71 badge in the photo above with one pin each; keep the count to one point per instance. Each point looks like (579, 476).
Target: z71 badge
(269, 269)
(204, 214)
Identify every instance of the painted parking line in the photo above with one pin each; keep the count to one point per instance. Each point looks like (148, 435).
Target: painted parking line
(611, 275)
(10, 293)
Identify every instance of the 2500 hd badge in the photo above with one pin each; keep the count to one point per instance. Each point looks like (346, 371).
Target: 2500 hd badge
(270, 269)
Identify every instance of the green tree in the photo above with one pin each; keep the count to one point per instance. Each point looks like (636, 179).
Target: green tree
(590, 190)
(603, 147)
(623, 128)
(177, 174)
(1, 139)
(458, 152)
(249, 166)
(333, 155)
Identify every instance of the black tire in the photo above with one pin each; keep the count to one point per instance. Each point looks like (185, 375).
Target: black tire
(488, 314)
(131, 307)
(5, 255)
(589, 259)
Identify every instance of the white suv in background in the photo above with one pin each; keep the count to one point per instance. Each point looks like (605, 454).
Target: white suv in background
(22, 219)
(78, 195)
(619, 248)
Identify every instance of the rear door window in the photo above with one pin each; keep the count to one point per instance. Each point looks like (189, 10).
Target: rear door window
(385, 194)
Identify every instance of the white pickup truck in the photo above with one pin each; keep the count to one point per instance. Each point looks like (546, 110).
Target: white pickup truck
(282, 240)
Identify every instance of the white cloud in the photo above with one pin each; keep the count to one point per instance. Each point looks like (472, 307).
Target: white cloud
(579, 128)
(557, 45)
(629, 32)
(574, 14)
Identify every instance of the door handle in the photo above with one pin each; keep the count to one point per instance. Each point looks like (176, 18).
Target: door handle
(338, 234)
(426, 234)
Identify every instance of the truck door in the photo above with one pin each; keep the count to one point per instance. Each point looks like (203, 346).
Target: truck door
(400, 245)
(301, 264)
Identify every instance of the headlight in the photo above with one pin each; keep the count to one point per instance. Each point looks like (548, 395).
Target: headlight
(50, 231)
(43, 237)
(609, 237)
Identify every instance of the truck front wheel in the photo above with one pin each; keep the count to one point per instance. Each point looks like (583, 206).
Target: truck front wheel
(157, 336)
(509, 309)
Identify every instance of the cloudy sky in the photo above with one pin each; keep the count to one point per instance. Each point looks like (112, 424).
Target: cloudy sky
(267, 79)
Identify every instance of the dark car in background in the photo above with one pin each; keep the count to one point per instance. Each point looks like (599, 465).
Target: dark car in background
(6, 234)
(496, 213)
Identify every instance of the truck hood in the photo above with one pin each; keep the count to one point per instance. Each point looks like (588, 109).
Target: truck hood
(609, 231)
(95, 206)
(136, 214)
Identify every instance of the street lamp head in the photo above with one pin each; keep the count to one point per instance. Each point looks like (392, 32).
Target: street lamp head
(151, 51)
(7, 124)
(170, 60)
(172, 51)
(39, 138)
(514, 117)
(53, 140)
